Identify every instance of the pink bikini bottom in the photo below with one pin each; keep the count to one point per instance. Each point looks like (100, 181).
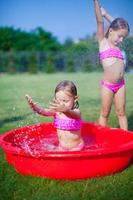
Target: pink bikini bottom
(114, 87)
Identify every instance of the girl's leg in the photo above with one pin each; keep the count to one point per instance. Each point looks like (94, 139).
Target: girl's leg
(120, 101)
(106, 100)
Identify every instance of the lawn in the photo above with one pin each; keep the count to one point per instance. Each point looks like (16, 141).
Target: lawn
(15, 112)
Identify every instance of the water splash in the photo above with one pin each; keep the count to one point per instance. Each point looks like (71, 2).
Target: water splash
(34, 143)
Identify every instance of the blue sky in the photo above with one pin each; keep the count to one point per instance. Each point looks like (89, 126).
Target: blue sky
(64, 18)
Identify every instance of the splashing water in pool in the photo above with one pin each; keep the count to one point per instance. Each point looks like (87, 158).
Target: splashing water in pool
(34, 144)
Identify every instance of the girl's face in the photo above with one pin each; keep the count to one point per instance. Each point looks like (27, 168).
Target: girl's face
(64, 97)
(117, 36)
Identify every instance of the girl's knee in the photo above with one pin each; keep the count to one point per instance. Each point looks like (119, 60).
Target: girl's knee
(120, 112)
(105, 113)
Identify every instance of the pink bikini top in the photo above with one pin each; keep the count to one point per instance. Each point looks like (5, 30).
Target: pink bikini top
(67, 124)
(111, 52)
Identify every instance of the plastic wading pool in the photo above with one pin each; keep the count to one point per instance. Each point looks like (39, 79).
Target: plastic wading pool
(30, 150)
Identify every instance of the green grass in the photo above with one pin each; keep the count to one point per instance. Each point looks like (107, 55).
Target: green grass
(15, 112)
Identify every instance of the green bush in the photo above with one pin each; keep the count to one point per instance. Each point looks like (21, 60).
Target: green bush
(32, 68)
(50, 67)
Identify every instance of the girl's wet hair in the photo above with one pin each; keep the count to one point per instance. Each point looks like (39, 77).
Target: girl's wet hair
(118, 23)
(68, 86)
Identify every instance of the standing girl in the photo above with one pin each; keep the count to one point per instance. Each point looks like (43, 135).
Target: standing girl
(67, 115)
(112, 60)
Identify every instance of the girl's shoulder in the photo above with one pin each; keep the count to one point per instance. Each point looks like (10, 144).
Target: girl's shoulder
(103, 45)
(78, 111)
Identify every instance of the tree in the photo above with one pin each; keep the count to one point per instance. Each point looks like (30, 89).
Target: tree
(19, 40)
(46, 41)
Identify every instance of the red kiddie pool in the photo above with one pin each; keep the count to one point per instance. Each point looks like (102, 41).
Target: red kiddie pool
(30, 150)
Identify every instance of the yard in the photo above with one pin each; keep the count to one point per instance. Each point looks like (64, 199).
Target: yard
(15, 112)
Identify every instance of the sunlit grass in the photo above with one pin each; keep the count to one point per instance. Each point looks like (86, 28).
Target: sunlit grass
(15, 112)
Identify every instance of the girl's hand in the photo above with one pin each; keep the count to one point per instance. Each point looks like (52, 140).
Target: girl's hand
(38, 109)
(56, 106)
(30, 101)
(103, 11)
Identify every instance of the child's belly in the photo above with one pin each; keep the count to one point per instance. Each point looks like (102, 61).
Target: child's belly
(69, 138)
(113, 73)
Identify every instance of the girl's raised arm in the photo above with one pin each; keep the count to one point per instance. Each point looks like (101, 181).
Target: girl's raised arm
(38, 109)
(99, 19)
(106, 15)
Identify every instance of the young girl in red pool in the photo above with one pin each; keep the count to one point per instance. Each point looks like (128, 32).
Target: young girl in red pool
(67, 115)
